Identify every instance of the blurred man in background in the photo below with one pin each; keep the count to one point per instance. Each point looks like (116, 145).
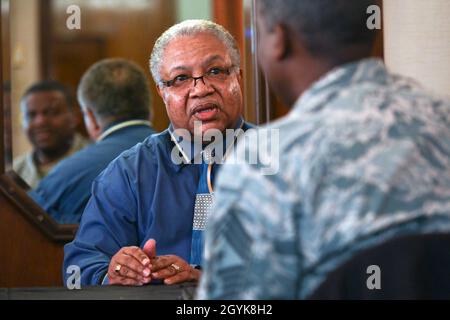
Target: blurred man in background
(49, 123)
(115, 99)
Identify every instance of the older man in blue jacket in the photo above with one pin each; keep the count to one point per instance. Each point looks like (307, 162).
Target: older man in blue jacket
(157, 194)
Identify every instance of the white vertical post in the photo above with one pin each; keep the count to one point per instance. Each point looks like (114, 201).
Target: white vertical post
(417, 41)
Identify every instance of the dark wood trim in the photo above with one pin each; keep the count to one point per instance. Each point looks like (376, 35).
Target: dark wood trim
(45, 32)
(32, 211)
(378, 45)
(2, 119)
(229, 13)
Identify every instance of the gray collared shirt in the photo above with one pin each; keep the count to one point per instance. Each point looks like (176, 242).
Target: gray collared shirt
(32, 174)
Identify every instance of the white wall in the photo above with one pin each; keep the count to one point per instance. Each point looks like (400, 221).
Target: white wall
(194, 9)
(24, 26)
(417, 41)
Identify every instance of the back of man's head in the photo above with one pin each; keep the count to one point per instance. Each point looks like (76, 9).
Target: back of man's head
(329, 29)
(115, 90)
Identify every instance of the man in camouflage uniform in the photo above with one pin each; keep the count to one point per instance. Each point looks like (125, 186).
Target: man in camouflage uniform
(364, 157)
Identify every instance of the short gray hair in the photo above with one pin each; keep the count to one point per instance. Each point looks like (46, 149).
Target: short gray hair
(190, 28)
(116, 88)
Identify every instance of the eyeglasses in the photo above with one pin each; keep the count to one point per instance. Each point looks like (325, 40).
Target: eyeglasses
(184, 82)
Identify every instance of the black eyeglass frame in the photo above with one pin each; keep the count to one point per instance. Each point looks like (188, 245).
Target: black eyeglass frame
(170, 83)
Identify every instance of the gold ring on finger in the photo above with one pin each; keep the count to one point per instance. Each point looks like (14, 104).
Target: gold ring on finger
(176, 267)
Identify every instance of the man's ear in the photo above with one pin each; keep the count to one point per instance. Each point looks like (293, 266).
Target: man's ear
(160, 93)
(240, 76)
(281, 39)
(92, 125)
(92, 119)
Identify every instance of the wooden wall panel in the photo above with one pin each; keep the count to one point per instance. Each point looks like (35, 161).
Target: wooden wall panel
(121, 32)
(28, 257)
(229, 13)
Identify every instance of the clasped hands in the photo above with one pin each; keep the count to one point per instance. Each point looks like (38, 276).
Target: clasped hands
(133, 266)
